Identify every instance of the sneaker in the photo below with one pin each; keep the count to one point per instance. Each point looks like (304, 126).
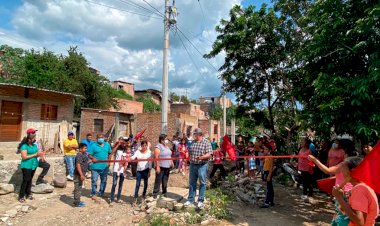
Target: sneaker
(304, 197)
(119, 201)
(201, 206)
(265, 205)
(70, 178)
(187, 204)
(81, 204)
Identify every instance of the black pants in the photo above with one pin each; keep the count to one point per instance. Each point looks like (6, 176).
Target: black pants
(26, 186)
(161, 179)
(241, 165)
(78, 183)
(269, 198)
(306, 179)
(215, 167)
(133, 168)
(45, 168)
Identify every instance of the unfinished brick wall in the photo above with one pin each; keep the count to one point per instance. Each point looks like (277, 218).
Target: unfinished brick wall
(87, 121)
(129, 107)
(127, 87)
(190, 109)
(152, 123)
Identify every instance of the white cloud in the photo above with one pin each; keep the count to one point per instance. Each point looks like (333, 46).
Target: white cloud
(127, 46)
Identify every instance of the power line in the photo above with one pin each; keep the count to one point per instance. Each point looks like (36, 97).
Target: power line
(203, 14)
(197, 49)
(123, 10)
(192, 60)
(138, 6)
(154, 8)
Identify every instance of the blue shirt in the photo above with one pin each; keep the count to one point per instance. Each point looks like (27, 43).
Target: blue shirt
(100, 153)
(312, 148)
(31, 163)
(88, 143)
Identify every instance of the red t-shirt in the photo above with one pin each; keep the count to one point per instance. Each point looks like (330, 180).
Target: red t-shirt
(364, 199)
(218, 157)
(182, 149)
(303, 163)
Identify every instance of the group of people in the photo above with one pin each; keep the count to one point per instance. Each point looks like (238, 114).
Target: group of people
(93, 158)
(356, 203)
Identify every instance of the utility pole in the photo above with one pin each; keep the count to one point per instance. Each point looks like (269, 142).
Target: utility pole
(224, 115)
(165, 90)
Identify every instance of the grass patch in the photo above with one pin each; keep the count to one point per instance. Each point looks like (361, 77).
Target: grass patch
(218, 203)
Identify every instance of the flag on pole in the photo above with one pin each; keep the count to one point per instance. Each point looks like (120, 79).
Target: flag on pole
(139, 134)
(229, 148)
(368, 170)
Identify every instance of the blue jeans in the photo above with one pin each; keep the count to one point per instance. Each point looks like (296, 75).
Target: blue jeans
(70, 164)
(141, 175)
(114, 183)
(95, 173)
(197, 171)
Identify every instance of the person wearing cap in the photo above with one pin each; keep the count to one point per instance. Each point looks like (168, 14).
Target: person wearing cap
(200, 151)
(70, 146)
(41, 159)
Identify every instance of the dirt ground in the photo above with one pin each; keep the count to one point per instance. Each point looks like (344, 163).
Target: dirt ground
(56, 208)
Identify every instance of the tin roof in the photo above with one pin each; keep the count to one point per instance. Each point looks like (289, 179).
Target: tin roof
(41, 89)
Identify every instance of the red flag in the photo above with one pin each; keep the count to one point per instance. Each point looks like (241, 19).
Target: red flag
(326, 184)
(229, 148)
(139, 134)
(369, 169)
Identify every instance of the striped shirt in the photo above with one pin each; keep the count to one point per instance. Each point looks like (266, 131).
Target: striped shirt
(199, 148)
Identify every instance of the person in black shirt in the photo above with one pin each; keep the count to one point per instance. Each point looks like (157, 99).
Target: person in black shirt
(81, 166)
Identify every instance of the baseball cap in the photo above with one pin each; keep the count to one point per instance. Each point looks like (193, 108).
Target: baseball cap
(70, 133)
(197, 131)
(31, 130)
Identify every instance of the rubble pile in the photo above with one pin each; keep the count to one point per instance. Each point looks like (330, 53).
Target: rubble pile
(245, 189)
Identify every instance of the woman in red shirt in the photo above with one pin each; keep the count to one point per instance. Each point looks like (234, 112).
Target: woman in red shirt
(336, 154)
(306, 170)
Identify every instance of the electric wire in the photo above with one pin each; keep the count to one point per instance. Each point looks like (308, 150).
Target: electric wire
(154, 8)
(122, 10)
(138, 6)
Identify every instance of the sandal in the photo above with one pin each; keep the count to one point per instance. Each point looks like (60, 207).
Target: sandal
(21, 200)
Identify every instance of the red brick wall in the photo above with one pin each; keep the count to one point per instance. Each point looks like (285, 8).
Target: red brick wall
(191, 109)
(152, 122)
(127, 87)
(128, 107)
(87, 121)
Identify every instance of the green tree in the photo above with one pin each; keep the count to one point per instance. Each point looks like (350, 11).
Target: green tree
(148, 104)
(178, 98)
(340, 67)
(256, 45)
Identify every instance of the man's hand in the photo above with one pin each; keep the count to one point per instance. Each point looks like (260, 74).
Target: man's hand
(268, 178)
(198, 157)
(158, 169)
(82, 178)
(94, 160)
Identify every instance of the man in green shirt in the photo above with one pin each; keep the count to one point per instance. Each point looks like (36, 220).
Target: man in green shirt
(213, 144)
(99, 151)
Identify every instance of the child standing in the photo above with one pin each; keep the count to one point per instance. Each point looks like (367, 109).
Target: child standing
(268, 169)
(143, 169)
(119, 168)
(183, 154)
(81, 166)
(218, 163)
(251, 161)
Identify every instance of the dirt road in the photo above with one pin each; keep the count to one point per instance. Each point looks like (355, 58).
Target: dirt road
(56, 208)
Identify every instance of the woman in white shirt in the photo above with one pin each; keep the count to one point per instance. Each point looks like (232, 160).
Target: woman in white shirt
(143, 168)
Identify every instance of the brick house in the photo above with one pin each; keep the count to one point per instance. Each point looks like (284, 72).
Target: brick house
(126, 86)
(22, 107)
(152, 123)
(156, 96)
(108, 122)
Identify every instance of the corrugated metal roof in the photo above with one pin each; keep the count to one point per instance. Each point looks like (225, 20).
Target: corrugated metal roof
(41, 89)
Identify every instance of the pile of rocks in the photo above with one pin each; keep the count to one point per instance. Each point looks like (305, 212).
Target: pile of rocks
(18, 210)
(244, 188)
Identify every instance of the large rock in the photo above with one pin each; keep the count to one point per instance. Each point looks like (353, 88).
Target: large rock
(60, 181)
(12, 212)
(6, 188)
(42, 189)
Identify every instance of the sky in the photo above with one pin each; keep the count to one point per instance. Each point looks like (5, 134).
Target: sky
(123, 39)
